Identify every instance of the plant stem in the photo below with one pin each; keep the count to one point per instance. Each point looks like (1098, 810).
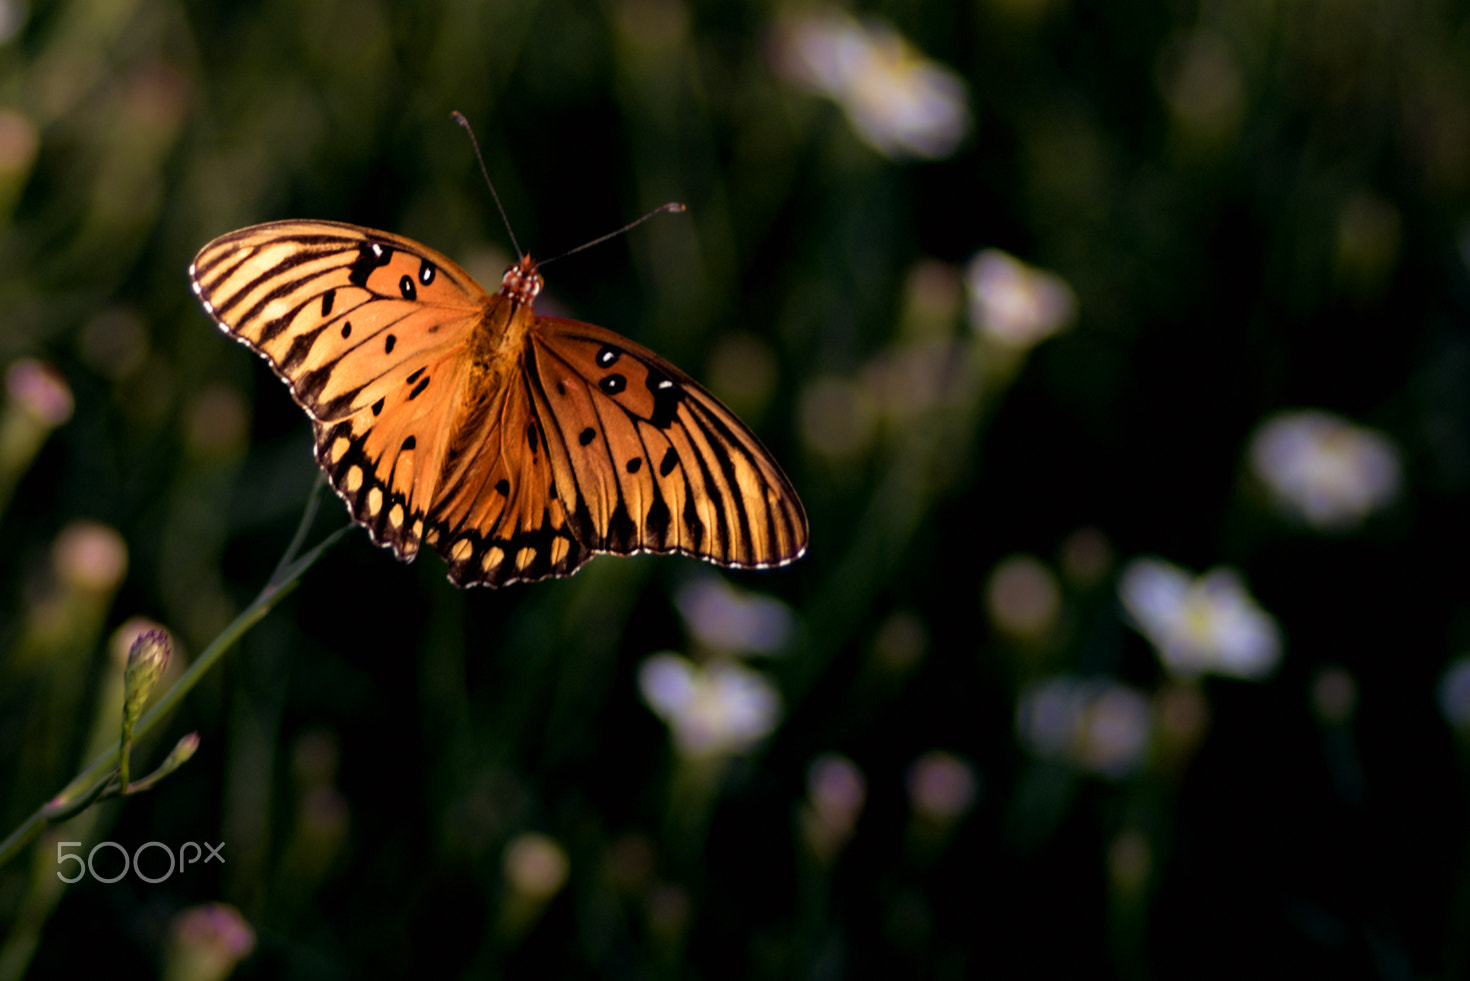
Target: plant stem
(285, 577)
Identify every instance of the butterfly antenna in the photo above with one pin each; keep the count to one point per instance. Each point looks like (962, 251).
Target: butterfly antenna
(671, 206)
(465, 124)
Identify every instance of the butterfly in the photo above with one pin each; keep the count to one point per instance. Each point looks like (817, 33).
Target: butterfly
(516, 446)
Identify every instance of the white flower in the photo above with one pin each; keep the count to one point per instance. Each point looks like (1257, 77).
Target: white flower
(713, 710)
(1453, 693)
(1199, 625)
(1095, 724)
(1015, 304)
(734, 621)
(1323, 469)
(899, 102)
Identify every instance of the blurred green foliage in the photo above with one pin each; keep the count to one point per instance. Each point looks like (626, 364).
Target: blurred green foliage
(1258, 205)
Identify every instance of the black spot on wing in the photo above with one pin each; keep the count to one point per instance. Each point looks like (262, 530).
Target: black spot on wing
(410, 443)
(346, 328)
(613, 384)
(370, 256)
(378, 407)
(418, 389)
(406, 287)
(586, 436)
(426, 272)
(388, 344)
(666, 398)
(608, 356)
(693, 526)
(327, 299)
(656, 524)
(635, 464)
(415, 376)
(622, 534)
(503, 486)
(668, 463)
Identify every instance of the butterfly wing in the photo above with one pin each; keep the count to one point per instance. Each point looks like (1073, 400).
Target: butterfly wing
(370, 331)
(515, 461)
(645, 460)
(499, 519)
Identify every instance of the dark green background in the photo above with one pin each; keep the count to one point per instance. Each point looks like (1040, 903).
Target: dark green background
(1214, 289)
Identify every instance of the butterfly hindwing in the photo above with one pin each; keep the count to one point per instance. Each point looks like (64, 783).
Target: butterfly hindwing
(498, 519)
(647, 460)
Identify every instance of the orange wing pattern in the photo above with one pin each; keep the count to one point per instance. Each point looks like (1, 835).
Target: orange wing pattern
(651, 462)
(516, 447)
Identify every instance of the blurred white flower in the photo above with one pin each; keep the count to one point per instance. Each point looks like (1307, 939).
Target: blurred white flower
(941, 786)
(836, 792)
(1323, 469)
(1093, 723)
(734, 621)
(1208, 624)
(898, 101)
(1453, 693)
(1014, 304)
(836, 788)
(713, 710)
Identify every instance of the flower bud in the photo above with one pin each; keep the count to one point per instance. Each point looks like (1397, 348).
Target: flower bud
(147, 659)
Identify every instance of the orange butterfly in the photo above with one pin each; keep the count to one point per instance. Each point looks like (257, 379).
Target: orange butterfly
(515, 446)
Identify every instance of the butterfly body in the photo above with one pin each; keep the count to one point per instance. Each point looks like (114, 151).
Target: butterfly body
(516, 446)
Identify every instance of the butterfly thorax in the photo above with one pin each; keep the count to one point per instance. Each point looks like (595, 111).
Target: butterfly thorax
(521, 282)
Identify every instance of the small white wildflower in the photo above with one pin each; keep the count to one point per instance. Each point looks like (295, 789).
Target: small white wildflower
(1323, 469)
(734, 621)
(1015, 304)
(898, 101)
(1209, 624)
(1095, 724)
(713, 710)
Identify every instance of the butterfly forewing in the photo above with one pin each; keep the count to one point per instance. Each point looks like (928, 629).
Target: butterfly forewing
(650, 461)
(516, 447)
(369, 330)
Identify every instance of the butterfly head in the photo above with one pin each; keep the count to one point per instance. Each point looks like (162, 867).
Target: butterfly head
(521, 282)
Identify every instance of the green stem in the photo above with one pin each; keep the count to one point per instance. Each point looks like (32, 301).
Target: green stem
(92, 779)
